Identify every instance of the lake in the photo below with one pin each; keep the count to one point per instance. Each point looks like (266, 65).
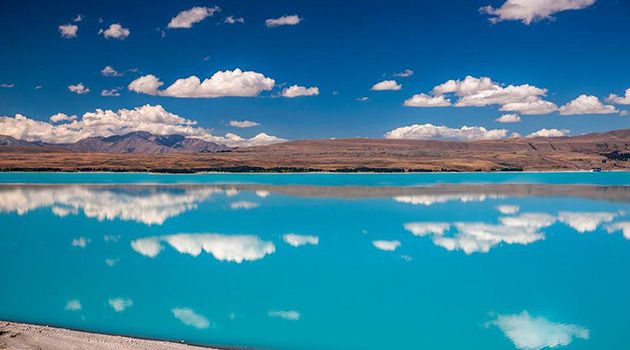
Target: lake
(323, 261)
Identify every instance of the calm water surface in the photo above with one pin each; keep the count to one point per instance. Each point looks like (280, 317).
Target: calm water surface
(320, 261)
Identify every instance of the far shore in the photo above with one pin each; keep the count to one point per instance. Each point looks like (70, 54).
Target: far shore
(25, 336)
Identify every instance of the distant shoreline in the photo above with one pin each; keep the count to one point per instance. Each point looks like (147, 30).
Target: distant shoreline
(28, 335)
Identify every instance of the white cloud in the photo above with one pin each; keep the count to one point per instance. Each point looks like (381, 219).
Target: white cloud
(386, 85)
(109, 71)
(585, 222)
(550, 133)
(430, 131)
(190, 318)
(298, 240)
(363, 99)
(68, 31)
(234, 83)
(427, 228)
(297, 91)
(235, 248)
(232, 20)
(7, 86)
(111, 262)
(388, 246)
(507, 209)
(529, 11)
(530, 107)
(73, 305)
(153, 119)
(61, 117)
(78, 18)
(620, 100)
(533, 333)
(112, 93)
(587, 105)
(120, 304)
(509, 118)
(290, 315)
(243, 123)
(404, 74)
(115, 31)
(78, 89)
(244, 205)
(186, 19)
(481, 92)
(38, 87)
(80, 242)
(623, 226)
(424, 100)
(283, 21)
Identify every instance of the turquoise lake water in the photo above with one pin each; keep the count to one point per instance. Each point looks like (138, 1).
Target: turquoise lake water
(323, 261)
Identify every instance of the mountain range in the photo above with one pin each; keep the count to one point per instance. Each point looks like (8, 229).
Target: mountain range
(135, 142)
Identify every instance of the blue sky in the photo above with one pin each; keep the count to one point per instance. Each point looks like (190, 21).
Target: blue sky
(342, 48)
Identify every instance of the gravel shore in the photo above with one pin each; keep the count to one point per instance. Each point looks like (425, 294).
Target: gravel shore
(22, 336)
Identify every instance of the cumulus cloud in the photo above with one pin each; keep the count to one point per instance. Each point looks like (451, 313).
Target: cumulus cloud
(243, 123)
(78, 18)
(244, 205)
(509, 118)
(430, 131)
(584, 104)
(112, 92)
(528, 11)
(153, 119)
(68, 31)
(290, 315)
(550, 133)
(404, 74)
(388, 246)
(424, 100)
(481, 92)
(507, 209)
(623, 226)
(186, 19)
(115, 31)
(620, 100)
(234, 83)
(533, 333)
(190, 318)
(363, 99)
(61, 117)
(529, 220)
(73, 305)
(585, 222)
(78, 89)
(7, 86)
(109, 71)
(233, 20)
(296, 91)
(233, 248)
(298, 240)
(386, 85)
(120, 304)
(283, 21)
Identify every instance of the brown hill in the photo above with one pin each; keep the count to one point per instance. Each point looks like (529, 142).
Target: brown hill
(608, 150)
